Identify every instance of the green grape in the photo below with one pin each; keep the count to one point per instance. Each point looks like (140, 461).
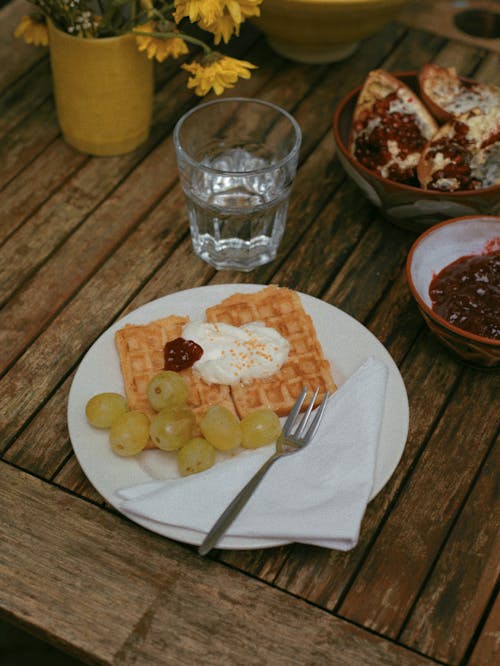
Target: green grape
(129, 433)
(167, 389)
(172, 427)
(221, 427)
(259, 428)
(104, 408)
(195, 456)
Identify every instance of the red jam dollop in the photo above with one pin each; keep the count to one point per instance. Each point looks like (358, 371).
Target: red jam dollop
(467, 294)
(181, 354)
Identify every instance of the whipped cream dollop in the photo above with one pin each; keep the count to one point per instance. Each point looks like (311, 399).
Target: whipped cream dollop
(233, 354)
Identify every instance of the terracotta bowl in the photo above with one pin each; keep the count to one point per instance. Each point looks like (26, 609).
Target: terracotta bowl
(318, 31)
(436, 248)
(407, 207)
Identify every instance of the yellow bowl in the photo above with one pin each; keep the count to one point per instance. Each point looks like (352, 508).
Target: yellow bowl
(319, 31)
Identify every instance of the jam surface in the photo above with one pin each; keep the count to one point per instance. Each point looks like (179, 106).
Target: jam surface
(467, 294)
(372, 149)
(457, 150)
(181, 354)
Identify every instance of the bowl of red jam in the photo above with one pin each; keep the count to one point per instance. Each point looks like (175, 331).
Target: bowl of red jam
(453, 271)
(406, 204)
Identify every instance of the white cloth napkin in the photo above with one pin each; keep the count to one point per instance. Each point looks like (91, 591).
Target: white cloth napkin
(316, 496)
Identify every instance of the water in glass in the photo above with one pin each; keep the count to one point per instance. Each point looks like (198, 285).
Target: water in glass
(237, 211)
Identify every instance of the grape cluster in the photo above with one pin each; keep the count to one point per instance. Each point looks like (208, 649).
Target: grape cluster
(173, 426)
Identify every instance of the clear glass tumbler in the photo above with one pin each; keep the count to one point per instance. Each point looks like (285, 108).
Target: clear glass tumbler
(237, 160)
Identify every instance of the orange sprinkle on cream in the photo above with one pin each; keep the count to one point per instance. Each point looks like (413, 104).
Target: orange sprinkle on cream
(232, 353)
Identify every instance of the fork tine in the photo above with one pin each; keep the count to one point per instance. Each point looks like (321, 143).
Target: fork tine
(293, 414)
(317, 418)
(303, 422)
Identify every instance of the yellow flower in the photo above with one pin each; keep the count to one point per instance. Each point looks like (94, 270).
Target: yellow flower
(33, 31)
(157, 47)
(218, 72)
(222, 29)
(198, 10)
(226, 22)
(243, 9)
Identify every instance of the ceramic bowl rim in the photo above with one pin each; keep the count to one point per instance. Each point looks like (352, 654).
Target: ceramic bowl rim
(490, 342)
(408, 189)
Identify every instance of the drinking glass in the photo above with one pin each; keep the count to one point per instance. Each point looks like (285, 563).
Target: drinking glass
(237, 161)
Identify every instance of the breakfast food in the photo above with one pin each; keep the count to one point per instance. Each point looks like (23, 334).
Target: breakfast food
(167, 389)
(259, 428)
(129, 433)
(141, 350)
(306, 365)
(195, 456)
(171, 427)
(447, 96)
(103, 409)
(390, 127)
(221, 428)
(231, 354)
(261, 349)
(464, 154)
(466, 294)
(395, 133)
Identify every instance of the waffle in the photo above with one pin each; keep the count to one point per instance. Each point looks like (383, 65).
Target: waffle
(141, 352)
(306, 365)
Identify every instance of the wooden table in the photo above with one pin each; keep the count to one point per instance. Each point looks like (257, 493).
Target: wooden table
(85, 240)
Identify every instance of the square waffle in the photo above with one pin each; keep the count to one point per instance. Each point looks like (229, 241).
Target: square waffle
(306, 365)
(141, 352)
(141, 356)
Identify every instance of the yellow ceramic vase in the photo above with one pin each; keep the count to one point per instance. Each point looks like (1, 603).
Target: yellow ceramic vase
(103, 90)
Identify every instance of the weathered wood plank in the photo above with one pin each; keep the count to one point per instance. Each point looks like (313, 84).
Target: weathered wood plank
(74, 215)
(489, 70)
(71, 476)
(139, 598)
(450, 607)
(15, 56)
(321, 238)
(464, 58)
(35, 184)
(25, 96)
(487, 648)
(29, 140)
(44, 445)
(390, 580)
(438, 16)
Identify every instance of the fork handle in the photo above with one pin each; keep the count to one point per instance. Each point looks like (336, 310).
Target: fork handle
(230, 513)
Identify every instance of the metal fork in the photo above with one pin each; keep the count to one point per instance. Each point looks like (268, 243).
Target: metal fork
(288, 442)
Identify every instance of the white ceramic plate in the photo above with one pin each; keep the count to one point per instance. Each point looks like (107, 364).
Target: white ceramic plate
(346, 343)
